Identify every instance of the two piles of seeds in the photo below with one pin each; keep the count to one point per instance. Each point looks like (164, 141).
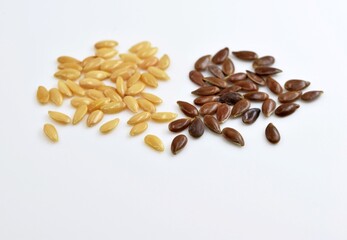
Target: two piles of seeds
(224, 94)
(86, 83)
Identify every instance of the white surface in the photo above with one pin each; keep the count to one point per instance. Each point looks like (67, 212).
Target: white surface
(113, 187)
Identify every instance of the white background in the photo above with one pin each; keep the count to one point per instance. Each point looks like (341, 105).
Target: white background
(89, 186)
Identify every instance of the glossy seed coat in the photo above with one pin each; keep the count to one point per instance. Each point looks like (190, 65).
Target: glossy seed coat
(42, 95)
(255, 78)
(206, 91)
(202, 63)
(209, 108)
(218, 82)
(267, 70)
(251, 115)
(240, 107)
(196, 128)
(212, 123)
(163, 116)
(178, 143)
(268, 107)
(223, 112)
(273, 85)
(296, 84)
(79, 114)
(231, 98)
(215, 71)
(289, 96)
(51, 132)
(205, 99)
(311, 95)
(154, 142)
(138, 128)
(109, 126)
(233, 136)
(272, 134)
(220, 56)
(179, 124)
(188, 109)
(286, 109)
(256, 96)
(197, 77)
(245, 55)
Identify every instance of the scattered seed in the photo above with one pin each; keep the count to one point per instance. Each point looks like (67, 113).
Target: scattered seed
(148, 62)
(237, 77)
(80, 112)
(256, 96)
(247, 85)
(68, 73)
(106, 53)
(273, 85)
(149, 80)
(205, 99)
(209, 108)
(206, 91)
(97, 104)
(231, 98)
(233, 136)
(90, 83)
(51, 132)
(154, 142)
(286, 109)
(196, 128)
(94, 94)
(220, 56)
(163, 116)
(267, 70)
(131, 103)
(140, 46)
(272, 134)
(311, 95)
(289, 96)
(228, 67)
(251, 115)
(113, 107)
(296, 85)
(146, 105)
(263, 61)
(233, 88)
(179, 125)
(164, 62)
(255, 78)
(223, 112)
(196, 77)
(188, 109)
(59, 117)
(113, 95)
(158, 73)
(55, 96)
(152, 98)
(64, 89)
(240, 108)
(109, 126)
(202, 63)
(215, 71)
(133, 79)
(75, 88)
(138, 128)
(78, 101)
(146, 53)
(94, 118)
(42, 95)
(218, 82)
(178, 143)
(139, 117)
(268, 107)
(245, 55)
(135, 89)
(212, 123)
